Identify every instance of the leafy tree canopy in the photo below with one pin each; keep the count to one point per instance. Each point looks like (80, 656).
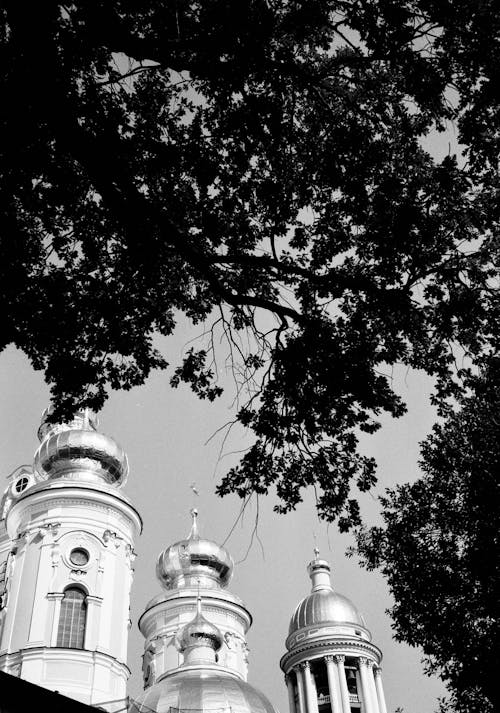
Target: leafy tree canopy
(439, 549)
(259, 166)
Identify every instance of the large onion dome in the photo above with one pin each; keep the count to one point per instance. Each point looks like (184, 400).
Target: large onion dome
(323, 605)
(210, 690)
(76, 451)
(194, 561)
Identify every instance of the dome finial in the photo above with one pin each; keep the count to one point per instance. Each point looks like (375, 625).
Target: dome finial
(319, 572)
(194, 535)
(198, 598)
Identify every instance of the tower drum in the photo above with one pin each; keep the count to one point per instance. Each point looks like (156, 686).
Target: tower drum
(64, 617)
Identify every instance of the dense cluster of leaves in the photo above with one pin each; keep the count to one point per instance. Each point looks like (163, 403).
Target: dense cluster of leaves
(440, 550)
(260, 161)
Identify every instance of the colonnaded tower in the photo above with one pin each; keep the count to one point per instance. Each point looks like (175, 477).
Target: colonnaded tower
(195, 653)
(66, 552)
(331, 664)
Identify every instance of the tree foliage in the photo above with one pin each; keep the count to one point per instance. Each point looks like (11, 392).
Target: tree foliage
(439, 549)
(259, 166)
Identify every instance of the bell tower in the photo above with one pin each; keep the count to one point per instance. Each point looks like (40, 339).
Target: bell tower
(67, 575)
(331, 664)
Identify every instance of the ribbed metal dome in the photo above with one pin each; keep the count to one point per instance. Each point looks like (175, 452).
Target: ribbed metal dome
(194, 561)
(77, 452)
(324, 606)
(201, 690)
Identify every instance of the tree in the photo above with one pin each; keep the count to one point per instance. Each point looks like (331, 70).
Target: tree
(439, 549)
(258, 165)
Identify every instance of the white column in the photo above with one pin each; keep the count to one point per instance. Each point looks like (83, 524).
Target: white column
(380, 690)
(333, 685)
(371, 683)
(300, 690)
(314, 690)
(291, 692)
(311, 700)
(366, 690)
(344, 691)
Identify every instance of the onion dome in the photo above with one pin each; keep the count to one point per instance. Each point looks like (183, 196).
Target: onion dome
(199, 633)
(212, 690)
(194, 561)
(323, 605)
(76, 451)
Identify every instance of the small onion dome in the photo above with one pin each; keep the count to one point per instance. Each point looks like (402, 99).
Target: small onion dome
(323, 605)
(211, 690)
(199, 632)
(75, 451)
(194, 561)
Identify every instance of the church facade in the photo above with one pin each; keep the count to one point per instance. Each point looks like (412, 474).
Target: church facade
(67, 535)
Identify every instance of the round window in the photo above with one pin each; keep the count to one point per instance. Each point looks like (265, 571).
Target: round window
(79, 557)
(21, 484)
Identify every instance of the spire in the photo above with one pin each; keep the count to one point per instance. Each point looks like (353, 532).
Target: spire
(194, 534)
(319, 572)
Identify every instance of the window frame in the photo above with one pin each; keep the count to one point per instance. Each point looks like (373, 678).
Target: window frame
(72, 624)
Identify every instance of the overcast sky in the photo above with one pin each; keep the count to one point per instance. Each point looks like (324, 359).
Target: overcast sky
(164, 432)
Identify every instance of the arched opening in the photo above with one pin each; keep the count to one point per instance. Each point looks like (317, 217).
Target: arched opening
(72, 619)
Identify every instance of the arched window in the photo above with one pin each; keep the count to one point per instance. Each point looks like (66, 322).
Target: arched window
(72, 619)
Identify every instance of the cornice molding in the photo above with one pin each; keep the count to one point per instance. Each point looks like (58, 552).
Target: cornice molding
(53, 653)
(173, 607)
(320, 649)
(71, 495)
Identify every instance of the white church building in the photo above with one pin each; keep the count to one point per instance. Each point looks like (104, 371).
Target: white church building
(67, 535)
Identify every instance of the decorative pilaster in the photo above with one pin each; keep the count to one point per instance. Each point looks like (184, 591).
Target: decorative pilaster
(291, 692)
(56, 598)
(93, 622)
(344, 691)
(333, 685)
(380, 690)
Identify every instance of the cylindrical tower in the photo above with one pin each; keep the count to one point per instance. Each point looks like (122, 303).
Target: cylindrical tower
(67, 579)
(331, 664)
(196, 660)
